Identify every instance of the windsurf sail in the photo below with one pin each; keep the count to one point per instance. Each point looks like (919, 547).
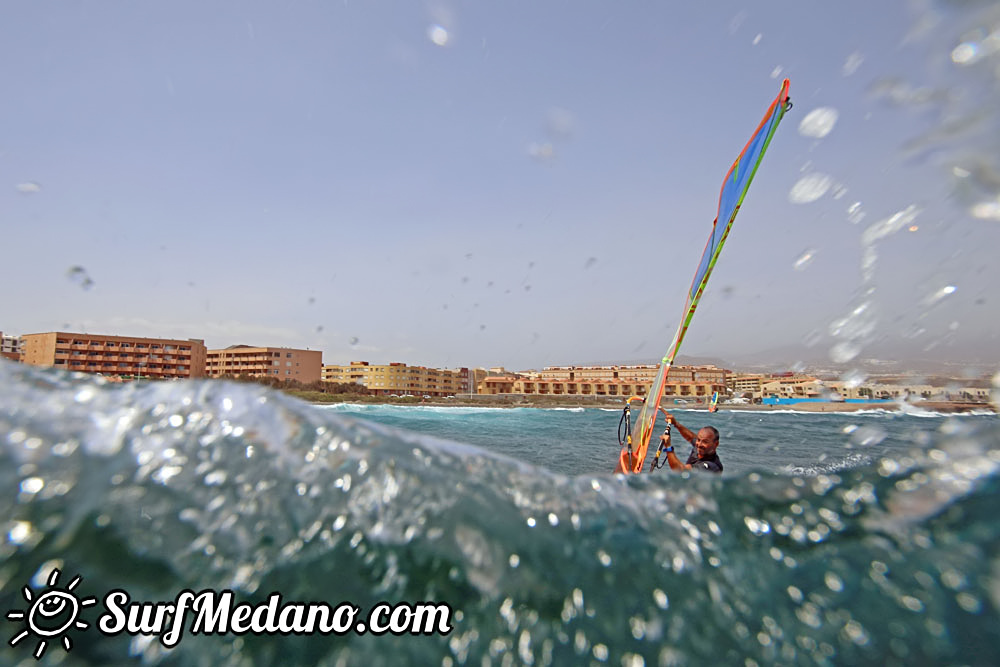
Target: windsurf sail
(734, 189)
(714, 405)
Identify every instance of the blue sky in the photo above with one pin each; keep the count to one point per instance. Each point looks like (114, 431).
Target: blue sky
(517, 183)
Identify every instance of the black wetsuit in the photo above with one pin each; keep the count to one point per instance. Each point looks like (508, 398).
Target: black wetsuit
(710, 463)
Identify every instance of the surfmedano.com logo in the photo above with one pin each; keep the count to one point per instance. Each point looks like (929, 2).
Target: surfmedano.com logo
(51, 614)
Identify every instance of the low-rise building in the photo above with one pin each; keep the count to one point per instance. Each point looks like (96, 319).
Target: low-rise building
(684, 382)
(793, 387)
(401, 379)
(280, 363)
(125, 357)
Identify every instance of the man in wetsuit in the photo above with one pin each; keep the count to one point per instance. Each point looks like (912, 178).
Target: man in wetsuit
(703, 456)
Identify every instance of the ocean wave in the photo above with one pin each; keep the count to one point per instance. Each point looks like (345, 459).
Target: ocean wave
(157, 487)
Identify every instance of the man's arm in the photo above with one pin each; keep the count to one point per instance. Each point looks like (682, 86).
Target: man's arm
(674, 462)
(685, 432)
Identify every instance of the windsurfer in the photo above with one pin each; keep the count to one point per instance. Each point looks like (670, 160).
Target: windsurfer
(703, 456)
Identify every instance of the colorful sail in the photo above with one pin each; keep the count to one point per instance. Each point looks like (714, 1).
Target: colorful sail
(734, 189)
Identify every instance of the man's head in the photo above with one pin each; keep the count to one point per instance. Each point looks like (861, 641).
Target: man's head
(706, 441)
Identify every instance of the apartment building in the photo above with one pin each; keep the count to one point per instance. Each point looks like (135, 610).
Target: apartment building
(793, 387)
(642, 373)
(401, 379)
(747, 383)
(117, 356)
(684, 382)
(282, 363)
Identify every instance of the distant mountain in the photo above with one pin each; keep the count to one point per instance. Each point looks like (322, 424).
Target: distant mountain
(884, 357)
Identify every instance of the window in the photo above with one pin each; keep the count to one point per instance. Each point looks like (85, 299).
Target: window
(288, 355)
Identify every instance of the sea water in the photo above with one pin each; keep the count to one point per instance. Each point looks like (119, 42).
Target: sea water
(856, 538)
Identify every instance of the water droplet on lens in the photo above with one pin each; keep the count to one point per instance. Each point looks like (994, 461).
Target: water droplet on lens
(438, 35)
(818, 123)
(78, 275)
(809, 188)
(843, 352)
(812, 338)
(987, 210)
(804, 260)
(852, 64)
(353, 340)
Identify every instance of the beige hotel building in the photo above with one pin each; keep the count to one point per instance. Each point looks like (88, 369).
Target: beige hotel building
(116, 356)
(688, 382)
(280, 363)
(400, 379)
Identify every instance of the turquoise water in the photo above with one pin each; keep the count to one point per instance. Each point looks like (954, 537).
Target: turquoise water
(830, 539)
(581, 441)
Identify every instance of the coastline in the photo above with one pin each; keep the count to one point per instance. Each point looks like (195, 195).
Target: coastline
(523, 401)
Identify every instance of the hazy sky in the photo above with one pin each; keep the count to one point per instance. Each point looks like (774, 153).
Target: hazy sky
(513, 183)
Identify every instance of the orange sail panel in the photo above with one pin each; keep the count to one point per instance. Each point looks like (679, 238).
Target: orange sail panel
(734, 189)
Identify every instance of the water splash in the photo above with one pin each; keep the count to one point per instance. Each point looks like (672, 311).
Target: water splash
(200, 484)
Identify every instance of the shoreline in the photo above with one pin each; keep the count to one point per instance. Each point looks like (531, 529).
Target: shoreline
(491, 401)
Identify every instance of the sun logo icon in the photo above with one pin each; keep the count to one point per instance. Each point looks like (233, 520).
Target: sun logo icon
(51, 614)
